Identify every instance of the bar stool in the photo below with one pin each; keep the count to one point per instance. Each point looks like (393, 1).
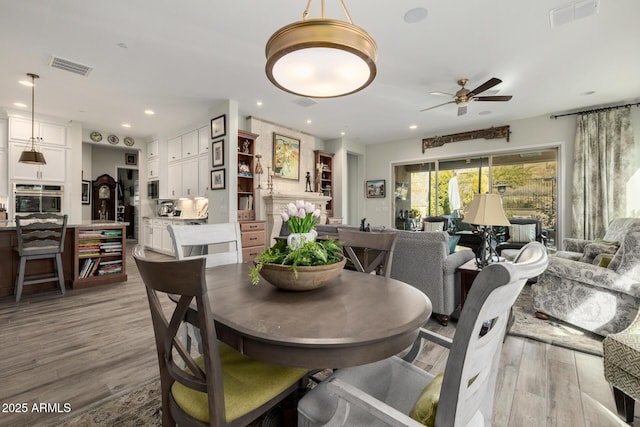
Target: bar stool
(40, 236)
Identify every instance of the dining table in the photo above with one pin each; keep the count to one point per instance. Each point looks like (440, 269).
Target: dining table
(355, 319)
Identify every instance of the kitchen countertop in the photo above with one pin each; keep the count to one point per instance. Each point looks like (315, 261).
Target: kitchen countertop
(11, 225)
(177, 218)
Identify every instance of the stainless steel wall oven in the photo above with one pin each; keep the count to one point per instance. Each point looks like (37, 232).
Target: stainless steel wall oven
(38, 198)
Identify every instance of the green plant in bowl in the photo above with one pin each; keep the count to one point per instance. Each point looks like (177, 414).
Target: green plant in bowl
(310, 253)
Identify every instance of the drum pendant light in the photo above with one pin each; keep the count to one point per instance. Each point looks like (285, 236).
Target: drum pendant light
(321, 58)
(31, 155)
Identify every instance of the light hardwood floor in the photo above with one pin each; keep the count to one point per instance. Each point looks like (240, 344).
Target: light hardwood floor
(94, 343)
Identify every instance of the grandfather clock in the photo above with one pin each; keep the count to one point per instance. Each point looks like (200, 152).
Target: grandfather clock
(104, 198)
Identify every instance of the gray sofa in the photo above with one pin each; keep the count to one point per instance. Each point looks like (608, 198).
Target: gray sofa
(579, 289)
(422, 260)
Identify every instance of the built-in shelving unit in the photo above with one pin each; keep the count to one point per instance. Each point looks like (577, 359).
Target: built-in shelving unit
(246, 191)
(99, 255)
(324, 176)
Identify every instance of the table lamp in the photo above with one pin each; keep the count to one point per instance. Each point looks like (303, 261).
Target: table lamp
(485, 211)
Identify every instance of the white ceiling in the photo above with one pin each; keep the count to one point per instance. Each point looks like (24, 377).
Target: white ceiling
(184, 57)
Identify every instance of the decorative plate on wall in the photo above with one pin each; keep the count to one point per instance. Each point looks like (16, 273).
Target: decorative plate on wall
(113, 139)
(128, 141)
(95, 136)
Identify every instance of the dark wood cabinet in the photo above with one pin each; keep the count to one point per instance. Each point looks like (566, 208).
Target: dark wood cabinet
(324, 176)
(246, 169)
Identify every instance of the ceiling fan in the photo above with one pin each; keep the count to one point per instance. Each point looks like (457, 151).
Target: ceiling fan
(464, 96)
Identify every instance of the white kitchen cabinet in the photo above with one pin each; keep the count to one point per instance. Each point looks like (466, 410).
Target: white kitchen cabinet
(190, 178)
(47, 133)
(203, 140)
(153, 167)
(174, 184)
(153, 149)
(204, 178)
(4, 182)
(174, 149)
(190, 144)
(147, 233)
(54, 170)
(156, 240)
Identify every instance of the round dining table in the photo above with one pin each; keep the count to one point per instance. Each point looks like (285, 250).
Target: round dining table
(356, 319)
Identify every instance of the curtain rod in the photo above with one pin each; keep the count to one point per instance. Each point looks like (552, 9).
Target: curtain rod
(596, 110)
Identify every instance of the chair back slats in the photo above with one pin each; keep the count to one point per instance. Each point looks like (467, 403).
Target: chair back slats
(195, 241)
(472, 366)
(185, 278)
(369, 251)
(41, 231)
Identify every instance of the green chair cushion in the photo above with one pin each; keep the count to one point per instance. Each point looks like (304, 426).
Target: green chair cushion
(424, 410)
(248, 384)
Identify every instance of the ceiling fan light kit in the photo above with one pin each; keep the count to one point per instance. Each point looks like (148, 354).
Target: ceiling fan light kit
(31, 155)
(464, 96)
(321, 58)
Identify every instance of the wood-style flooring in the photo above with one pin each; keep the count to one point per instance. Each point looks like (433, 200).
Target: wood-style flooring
(94, 343)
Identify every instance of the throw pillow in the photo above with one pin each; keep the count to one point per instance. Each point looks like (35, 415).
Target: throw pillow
(453, 242)
(602, 260)
(424, 411)
(522, 233)
(592, 250)
(433, 226)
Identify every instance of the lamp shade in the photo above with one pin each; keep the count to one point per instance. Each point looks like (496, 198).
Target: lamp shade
(485, 209)
(32, 157)
(321, 58)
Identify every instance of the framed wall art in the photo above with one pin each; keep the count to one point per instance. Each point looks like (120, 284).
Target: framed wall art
(286, 157)
(86, 192)
(131, 159)
(217, 179)
(375, 188)
(217, 153)
(218, 127)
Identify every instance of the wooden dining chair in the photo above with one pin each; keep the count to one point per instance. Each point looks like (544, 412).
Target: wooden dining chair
(394, 392)
(220, 387)
(40, 236)
(369, 251)
(219, 244)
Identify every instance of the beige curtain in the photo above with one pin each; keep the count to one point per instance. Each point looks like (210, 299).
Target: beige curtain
(604, 156)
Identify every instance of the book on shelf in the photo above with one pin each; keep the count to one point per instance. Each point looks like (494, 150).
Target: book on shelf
(245, 203)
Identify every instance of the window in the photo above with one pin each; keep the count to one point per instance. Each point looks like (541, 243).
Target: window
(525, 180)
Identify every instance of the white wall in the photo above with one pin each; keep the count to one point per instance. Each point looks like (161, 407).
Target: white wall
(529, 133)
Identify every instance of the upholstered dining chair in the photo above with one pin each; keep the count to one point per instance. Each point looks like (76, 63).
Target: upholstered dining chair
(219, 244)
(40, 236)
(369, 251)
(397, 393)
(220, 387)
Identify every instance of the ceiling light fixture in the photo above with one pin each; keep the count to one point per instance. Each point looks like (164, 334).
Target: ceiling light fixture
(31, 155)
(321, 58)
(149, 112)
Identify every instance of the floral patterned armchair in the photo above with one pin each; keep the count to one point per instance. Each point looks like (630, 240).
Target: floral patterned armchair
(585, 289)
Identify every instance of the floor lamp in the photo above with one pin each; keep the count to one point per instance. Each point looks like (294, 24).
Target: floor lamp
(485, 211)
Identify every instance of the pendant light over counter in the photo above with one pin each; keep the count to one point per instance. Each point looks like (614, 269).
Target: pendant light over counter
(31, 155)
(321, 58)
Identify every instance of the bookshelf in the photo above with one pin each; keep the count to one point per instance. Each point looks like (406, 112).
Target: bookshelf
(246, 188)
(324, 176)
(99, 255)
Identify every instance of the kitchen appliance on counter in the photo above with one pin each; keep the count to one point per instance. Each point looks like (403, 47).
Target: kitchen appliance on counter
(166, 208)
(38, 198)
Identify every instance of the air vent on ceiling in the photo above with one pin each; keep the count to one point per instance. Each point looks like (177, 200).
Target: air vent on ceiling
(573, 11)
(72, 67)
(304, 102)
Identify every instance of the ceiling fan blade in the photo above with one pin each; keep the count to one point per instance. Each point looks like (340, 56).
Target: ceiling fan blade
(462, 110)
(485, 86)
(436, 106)
(493, 98)
(438, 93)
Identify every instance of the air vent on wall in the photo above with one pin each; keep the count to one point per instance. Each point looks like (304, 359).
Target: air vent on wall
(573, 11)
(72, 67)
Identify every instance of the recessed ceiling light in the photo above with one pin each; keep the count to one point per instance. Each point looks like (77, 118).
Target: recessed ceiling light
(20, 104)
(308, 122)
(413, 127)
(259, 103)
(149, 112)
(126, 125)
(415, 15)
(343, 133)
(26, 83)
